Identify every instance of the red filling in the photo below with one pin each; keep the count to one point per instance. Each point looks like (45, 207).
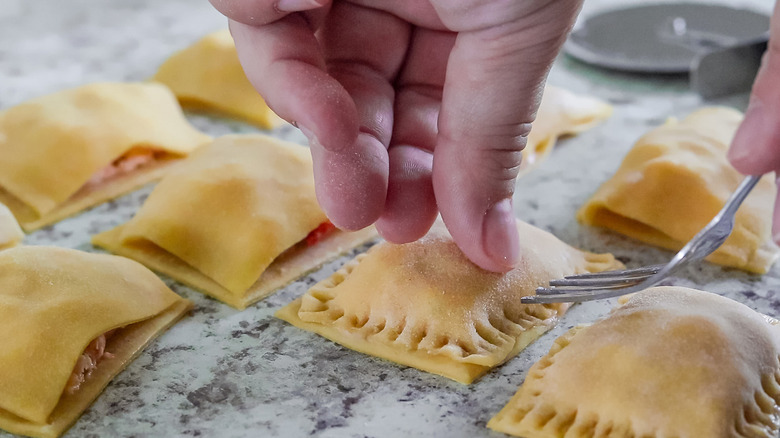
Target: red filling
(319, 233)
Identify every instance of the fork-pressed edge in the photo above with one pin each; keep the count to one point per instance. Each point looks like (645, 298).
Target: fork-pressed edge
(608, 284)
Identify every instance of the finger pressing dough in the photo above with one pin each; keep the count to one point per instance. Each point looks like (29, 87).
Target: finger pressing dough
(672, 362)
(424, 304)
(237, 220)
(675, 180)
(70, 150)
(208, 75)
(10, 233)
(560, 113)
(53, 303)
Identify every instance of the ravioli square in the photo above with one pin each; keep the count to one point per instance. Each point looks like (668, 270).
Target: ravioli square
(425, 305)
(208, 76)
(238, 220)
(561, 113)
(71, 321)
(671, 362)
(675, 179)
(70, 150)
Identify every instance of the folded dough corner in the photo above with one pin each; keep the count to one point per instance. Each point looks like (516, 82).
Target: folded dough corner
(675, 179)
(235, 221)
(53, 303)
(425, 305)
(10, 232)
(68, 151)
(209, 76)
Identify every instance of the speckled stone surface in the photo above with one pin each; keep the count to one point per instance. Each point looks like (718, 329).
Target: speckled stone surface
(226, 373)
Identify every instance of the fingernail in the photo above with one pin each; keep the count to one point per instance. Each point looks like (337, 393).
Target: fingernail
(499, 231)
(297, 5)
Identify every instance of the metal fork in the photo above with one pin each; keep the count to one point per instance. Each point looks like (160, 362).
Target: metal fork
(600, 285)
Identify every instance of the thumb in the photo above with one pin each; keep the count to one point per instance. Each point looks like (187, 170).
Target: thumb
(756, 146)
(493, 86)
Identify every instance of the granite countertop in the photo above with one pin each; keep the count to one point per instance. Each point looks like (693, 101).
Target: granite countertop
(227, 373)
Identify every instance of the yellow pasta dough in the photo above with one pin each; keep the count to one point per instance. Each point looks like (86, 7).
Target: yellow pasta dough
(672, 362)
(675, 180)
(424, 304)
(53, 303)
(208, 75)
(10, 233)
(232, 219)
(54, 146)
(560, 113)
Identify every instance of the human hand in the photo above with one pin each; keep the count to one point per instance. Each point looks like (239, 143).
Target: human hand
(411, 107)
(755, 149)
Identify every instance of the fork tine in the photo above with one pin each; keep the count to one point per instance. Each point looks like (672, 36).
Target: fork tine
(593, 294)
(600, 285)
(597, 282)
(643, 271)
(581, 289)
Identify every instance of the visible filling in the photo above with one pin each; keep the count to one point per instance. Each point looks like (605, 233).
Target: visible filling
(319, 233)
(130, 161)
(89, 360)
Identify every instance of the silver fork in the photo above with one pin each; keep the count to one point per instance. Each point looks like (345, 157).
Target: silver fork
(600, 285)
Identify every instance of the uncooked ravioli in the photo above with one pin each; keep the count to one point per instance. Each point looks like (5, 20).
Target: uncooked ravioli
(237, 220)
(54, 304)
(68, 151)
(675, 180)
(424, 304)
(671, 362)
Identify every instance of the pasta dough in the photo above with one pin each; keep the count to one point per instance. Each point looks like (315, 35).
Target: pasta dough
(53, 303)
(675, 180)
(54, 146)
(208, 75)
(672, 362)
(10, 233)
(424, 304)
(231, 221)
(560, 113)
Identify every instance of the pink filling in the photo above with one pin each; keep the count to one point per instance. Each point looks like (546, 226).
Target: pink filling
(88, 361)
(133, 159)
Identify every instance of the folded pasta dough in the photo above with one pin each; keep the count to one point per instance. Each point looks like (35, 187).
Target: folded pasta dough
(424, 304)
(10, 233)
(208, 75)
(672, 362)
(233, 220)
(53, 303)
(73, 149)
(675, 180)
(560, 113)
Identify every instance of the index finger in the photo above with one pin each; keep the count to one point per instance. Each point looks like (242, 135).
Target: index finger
(284, 63)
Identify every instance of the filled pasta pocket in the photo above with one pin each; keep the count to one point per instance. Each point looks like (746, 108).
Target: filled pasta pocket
(237, 220)
(425, 305)
(68, 151)
(71, 321)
